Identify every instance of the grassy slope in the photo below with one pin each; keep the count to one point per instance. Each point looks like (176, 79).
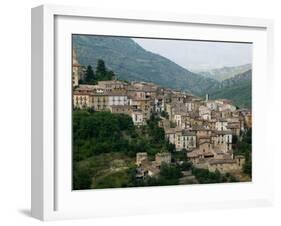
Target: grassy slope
(103, 168)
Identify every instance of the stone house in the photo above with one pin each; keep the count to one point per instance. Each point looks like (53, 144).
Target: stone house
(120, 109)
(100, 101)
(117, 98)
(112, 85)
(82, 99)
(182, 139)
(162, 157)
(138, 117)
(202, 131)
(159, 104)
(221, 124)
(204, 112)
(212, 105)
(187, 140)
(182, 120)
(226, 107)
(222, 140)
(140, 157)
(226, 165)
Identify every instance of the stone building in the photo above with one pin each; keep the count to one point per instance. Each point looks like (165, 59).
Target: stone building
(117, 98)
(82, 99)
(75, 69)
(138, 118)
(181, 119)
(146, 107)
(140, 157)
(159, 105)
(221, 124)
(182, 139)
(248, 120)
(120, 109)
(212, 105)
(112, 85)
(204, 112)
(226, 165)
(186, 140)
(100, 102)
(222, 140)
(162, 157)
(224, 104)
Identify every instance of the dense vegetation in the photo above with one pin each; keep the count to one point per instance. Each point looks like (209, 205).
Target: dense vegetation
(240, 94)
(204, 176)
(238, 89)
(101, 74)
(244, 147)
(103, 132)
(105, 146)
(96, 134)
(100, 132)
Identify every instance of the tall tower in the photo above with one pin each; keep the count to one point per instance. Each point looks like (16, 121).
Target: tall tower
(75, 69)
(207, 97)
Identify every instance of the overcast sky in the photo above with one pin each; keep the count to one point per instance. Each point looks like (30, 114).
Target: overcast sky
(200, 55)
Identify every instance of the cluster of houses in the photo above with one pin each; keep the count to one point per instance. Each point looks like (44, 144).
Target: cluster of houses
(135, 99)
(205, 129)
(151, 168)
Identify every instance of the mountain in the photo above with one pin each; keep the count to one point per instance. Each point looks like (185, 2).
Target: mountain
(131, 62)
(221, 74)
(238, 89)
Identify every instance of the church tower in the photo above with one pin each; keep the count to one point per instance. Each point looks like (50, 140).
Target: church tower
(75, 69)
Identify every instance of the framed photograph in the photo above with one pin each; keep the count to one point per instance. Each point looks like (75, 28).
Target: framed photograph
(137, 112)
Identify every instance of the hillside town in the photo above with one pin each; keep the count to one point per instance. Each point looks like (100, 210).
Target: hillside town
(203, 128)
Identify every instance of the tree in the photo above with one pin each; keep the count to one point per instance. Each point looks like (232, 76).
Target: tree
(170, 147)
(110, 75)
(170, 171)
(100, 66)
(81, 178)
(156, 133)
(247, 167)
(102, 73)
(90, 76)
(164, 114)
(204, 176)
(179, 155)
(244, 147)
(186, 166)
(102, 132)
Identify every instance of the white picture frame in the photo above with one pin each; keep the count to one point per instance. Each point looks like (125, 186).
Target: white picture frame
(52, 198)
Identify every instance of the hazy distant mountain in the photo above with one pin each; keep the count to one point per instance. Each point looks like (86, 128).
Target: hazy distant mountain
(238, 89)
(131, 62)
(221, 74)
